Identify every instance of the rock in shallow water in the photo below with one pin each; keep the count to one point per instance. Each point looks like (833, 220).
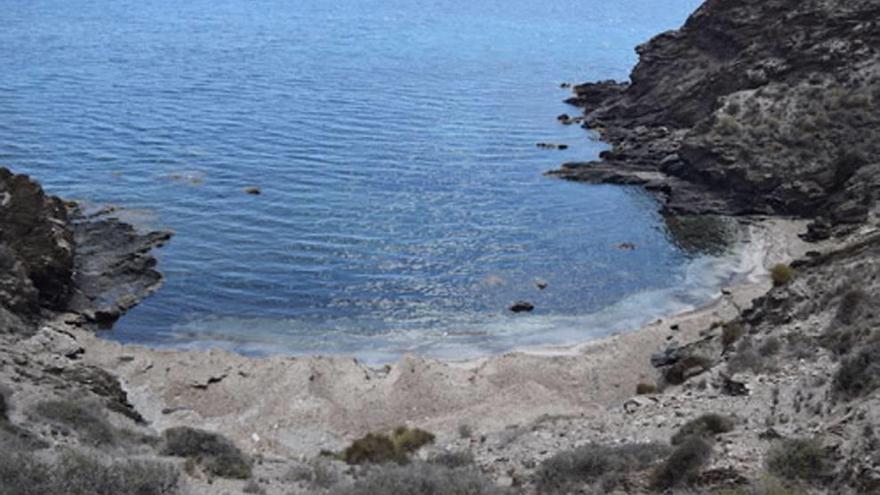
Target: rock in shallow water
(522, 306)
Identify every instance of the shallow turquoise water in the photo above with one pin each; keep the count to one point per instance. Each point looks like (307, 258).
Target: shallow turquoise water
(403, 204)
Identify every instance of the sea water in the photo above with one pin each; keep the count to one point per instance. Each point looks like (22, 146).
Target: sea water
(402, 207)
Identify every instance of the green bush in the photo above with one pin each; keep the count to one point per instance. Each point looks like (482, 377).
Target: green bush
(595, 463)
(78, 474)
(705, 426)
(87, 420)
(373, 448)
(420, 478)
(377, 448)
(798, 459)
(781, 274)
(859, 375)
(683, 465)
(646, 389)
(216, 454)
(409, 440)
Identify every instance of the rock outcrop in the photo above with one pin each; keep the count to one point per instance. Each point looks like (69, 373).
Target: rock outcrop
(56, 258)
(769, 108)
(36, 247)
(752, 107)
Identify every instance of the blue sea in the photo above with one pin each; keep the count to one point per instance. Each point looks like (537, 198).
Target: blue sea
(403, 204)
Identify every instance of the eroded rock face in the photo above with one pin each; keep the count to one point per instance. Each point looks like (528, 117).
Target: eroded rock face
(115, 268)
(756, 107)
(36, 247)
(54, 257)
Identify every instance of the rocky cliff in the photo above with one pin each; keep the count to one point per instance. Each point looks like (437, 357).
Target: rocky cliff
(751, 107)
(55, 258)
(769, 108)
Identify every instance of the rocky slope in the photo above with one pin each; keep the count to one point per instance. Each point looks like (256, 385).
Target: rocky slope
(768, 107)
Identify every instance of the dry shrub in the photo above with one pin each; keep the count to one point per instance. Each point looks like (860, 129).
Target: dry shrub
(592, 463)
(216, 454)
(705, 426)
(420, 478)
(75, 473)
(858, 375)
(683, 465)
(87, 420)
(798, 459)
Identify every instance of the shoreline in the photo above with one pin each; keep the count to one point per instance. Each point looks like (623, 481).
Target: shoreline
(704, 276)
(324, 401)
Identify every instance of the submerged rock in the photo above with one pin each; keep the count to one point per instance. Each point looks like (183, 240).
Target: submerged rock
(522, 306)
(552, 146)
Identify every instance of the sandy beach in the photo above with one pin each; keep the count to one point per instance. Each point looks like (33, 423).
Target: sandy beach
(292, 406)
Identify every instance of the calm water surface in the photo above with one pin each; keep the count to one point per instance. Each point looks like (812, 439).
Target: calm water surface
(403, 205)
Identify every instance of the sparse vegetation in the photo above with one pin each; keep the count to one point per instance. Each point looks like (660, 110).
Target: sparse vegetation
(849, 305)
(465, 431)
(770, 347)
(409, 440)
(646, 389)
(798, 459)
(453, 459)
(253, 487)
(421, 478)
(318, 473)
(75, 473)
(727, 125)
(732, 332)
(766, 485)
(683, 465)
(87, 420)
(685, 368)
(841, 340)
(705, 426)
(216, 454)
(781, 274)
(745, 358)
(605, 465)
(377, 448)
(859, 375)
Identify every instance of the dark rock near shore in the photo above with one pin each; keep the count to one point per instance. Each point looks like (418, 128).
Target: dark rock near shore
(54, 257)
(114, 266)
(36, 246)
